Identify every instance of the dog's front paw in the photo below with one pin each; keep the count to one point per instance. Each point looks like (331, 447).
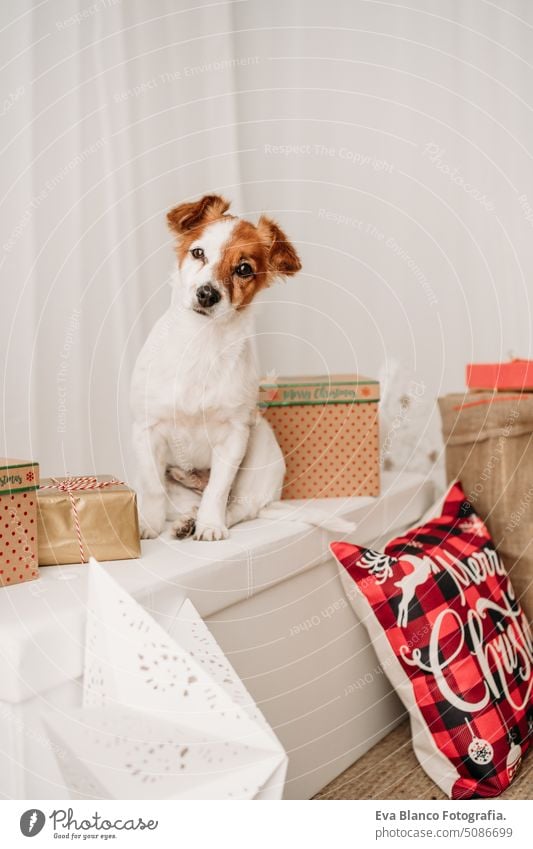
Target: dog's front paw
(183, 527)
(210, 533)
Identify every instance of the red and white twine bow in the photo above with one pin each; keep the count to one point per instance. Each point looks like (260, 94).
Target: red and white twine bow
(77, 484)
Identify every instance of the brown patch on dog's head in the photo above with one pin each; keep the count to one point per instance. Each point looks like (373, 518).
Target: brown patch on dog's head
(282, 258)
(244, 250)
(194, 215)
(188, 220)
(263, 251)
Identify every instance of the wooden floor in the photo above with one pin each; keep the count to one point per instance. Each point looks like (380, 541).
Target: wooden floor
(391, 771)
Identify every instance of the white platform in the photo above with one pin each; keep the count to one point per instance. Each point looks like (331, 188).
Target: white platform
(271, 596)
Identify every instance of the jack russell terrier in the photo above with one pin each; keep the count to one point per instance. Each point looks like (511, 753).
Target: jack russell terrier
(206, 459)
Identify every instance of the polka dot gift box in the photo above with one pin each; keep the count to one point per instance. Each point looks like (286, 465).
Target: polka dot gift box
(19, 481)
(327, 428)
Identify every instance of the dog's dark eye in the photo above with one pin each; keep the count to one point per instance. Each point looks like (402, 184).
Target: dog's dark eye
(244, 269)
(198, 253)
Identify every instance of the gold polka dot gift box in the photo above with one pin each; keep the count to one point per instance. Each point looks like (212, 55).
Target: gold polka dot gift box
(327, 428)
(19, 480)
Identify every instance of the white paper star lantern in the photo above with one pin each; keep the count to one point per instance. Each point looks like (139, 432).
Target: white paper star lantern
(164, 716)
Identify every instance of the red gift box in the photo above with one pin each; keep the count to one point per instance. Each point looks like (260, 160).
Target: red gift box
(516, 375)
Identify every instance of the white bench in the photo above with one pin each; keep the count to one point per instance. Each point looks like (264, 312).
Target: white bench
(271, 596)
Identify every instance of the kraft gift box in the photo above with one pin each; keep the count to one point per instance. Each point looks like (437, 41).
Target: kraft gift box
(489, 446)
(327, 429)
(83, 516)
(19, 480)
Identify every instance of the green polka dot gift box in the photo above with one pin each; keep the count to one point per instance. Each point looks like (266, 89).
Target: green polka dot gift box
(19, 480)
(327, 428)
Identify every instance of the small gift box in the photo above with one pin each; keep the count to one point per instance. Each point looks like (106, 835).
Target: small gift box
(83, 516)
(515, 375)
(327, 429)
(19, 480)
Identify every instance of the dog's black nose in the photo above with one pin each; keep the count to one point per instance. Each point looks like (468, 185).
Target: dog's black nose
(208, 296)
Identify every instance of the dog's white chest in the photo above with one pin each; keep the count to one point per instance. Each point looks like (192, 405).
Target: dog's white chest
(191, 445)
(193, 390)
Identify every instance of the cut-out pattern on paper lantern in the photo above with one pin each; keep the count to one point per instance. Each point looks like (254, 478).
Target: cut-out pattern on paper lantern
(164, 715)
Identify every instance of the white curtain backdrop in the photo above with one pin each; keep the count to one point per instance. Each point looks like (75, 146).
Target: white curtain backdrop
(392, 142)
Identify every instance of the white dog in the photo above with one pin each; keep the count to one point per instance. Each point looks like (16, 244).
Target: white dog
(205, 458)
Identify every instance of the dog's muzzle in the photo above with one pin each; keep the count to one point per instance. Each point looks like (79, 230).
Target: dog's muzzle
(207, 296)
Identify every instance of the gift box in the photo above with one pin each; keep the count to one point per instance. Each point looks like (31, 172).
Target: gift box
(19, 480)
(489, 446)
(511, 376)
(83, 516)
(327, 429)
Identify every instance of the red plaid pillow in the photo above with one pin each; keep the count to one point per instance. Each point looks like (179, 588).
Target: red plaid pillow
(451, 636)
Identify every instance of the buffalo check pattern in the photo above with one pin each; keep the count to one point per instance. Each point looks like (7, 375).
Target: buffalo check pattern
(452, 637)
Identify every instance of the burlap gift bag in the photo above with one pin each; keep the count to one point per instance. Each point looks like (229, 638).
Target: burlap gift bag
(489, 448)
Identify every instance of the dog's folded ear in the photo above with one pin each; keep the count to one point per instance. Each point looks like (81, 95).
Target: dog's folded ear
(188, 216)
(282, 258)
